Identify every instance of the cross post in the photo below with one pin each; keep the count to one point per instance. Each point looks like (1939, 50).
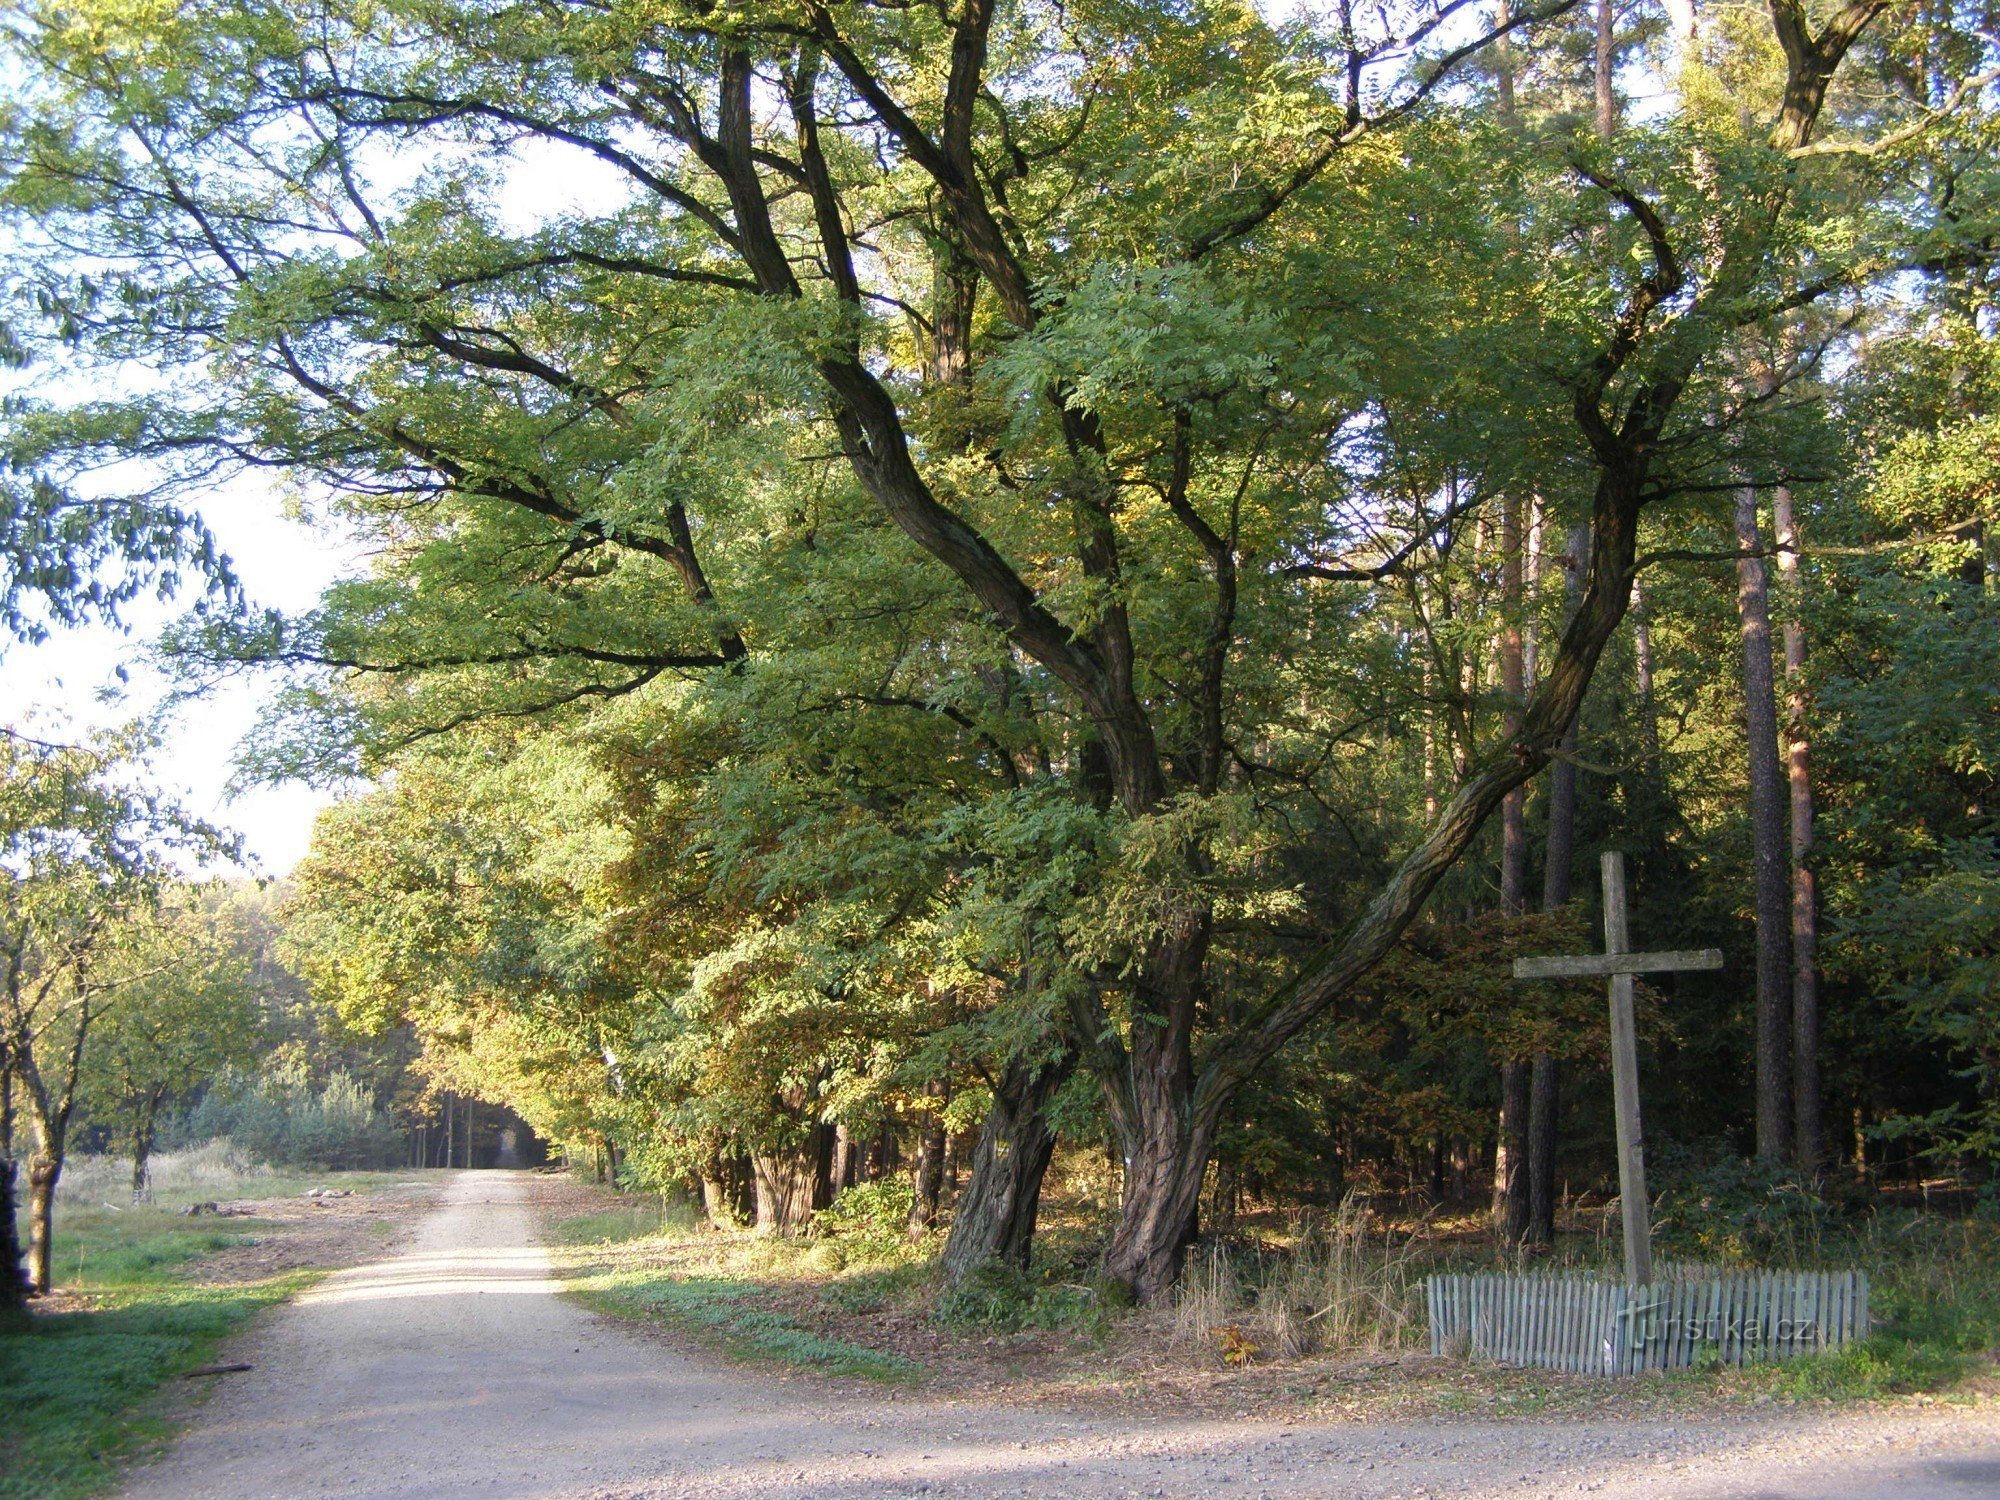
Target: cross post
(1618, 964)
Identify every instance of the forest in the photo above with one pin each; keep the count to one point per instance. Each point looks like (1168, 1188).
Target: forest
(962, 596)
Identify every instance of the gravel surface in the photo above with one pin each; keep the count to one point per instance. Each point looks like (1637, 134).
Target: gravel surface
(453, 1367)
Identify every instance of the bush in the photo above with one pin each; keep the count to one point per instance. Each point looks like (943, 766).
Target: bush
(870, 1218)
(1721, 1207)
(277, 1116)
(996, 1295)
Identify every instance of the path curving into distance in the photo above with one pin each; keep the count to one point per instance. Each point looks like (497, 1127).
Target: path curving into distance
(454, 1368)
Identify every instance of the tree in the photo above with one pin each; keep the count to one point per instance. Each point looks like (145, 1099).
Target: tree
(191, 1015)
(87, 857)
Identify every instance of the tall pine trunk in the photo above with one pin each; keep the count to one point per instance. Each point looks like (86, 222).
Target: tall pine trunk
(1807, 1130)
(1768, 846)
(995, 1216)
(1558, 858)
(1510, 1155)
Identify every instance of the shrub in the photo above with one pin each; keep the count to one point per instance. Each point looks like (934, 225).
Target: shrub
(1720, 1207)
(277, 1116)
(871, 1218)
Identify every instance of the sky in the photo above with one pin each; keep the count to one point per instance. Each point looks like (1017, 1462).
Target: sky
(59, 687)
(68, 683)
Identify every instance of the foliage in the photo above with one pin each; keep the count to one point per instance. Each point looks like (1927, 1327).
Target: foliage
(279, 1116)
(1713, 1205)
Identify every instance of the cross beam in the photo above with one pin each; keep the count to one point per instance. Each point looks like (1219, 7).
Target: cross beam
(1618, 965)
(1604, 965)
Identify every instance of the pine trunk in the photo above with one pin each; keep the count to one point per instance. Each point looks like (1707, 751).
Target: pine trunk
(1510, 1155)
(995, 1216)
(1767, 843)
(1807, 1130)
(1558, 858)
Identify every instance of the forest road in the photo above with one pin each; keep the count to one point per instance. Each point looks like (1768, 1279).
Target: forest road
(455, 1368)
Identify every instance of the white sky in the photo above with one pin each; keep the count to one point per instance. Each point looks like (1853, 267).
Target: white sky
(68, 683)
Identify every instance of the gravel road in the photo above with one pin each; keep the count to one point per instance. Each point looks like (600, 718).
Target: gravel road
(453, 1368)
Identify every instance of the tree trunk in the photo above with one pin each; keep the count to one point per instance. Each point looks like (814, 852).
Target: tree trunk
(1165, 1143)
(43, 1172)
(1807, 1132)
(1606, 68)
(1767, 843)
(718, 1201)
(995, 1216)
(1510, 1154)
(927, 1177)
(788, 1182)
(1558, 858)
(1642, 670)
(14, 1281)
(845, 1171)
(1544, 1101)
(1510, 1158)
(142, 1155)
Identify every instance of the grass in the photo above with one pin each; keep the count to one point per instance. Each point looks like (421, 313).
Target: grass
(724, 1313)
(647, 1262)
(77, 1385)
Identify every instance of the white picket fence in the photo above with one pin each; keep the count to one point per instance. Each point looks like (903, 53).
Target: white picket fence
(1588, 1325)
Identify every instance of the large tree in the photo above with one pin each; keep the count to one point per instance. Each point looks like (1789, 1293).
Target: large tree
(1101, 309)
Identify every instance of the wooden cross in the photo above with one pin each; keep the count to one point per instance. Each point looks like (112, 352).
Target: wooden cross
(1619, 965)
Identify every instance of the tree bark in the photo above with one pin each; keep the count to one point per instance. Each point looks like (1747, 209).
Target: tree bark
(14, 1282)
(927, 1175)
(787, 1183)
(1767, 843)
(995, 1216)
(43, 1173)
(1642, 671)
(1605, 68)
(1807, 1130)
(1558, 858)
(1510, 1154)
(142, 1151)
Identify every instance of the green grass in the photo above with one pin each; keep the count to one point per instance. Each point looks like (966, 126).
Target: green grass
(1935, 1303)
(646, 1262)
(631, 1221)
(76, 1387)
(723, 1313)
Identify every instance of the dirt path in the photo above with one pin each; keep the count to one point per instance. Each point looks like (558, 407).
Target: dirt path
(453, 1368)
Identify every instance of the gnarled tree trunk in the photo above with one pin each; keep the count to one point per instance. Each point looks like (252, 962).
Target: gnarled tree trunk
(995, 1217)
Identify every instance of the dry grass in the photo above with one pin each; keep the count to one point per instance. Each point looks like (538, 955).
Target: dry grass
(213, 1170)
(1349, 1284)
